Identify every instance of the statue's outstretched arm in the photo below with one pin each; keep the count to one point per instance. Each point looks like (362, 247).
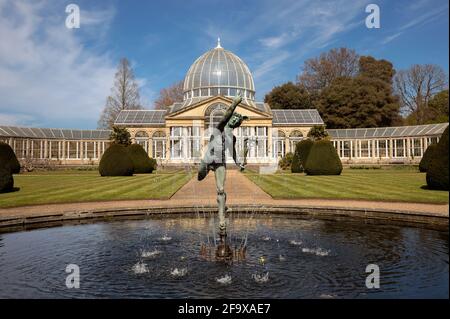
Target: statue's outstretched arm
(229, 112)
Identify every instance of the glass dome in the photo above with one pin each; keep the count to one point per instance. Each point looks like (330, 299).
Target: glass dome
(218, 72)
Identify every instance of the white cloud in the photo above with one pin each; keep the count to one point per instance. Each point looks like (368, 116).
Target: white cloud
(427, 17)
(47, 75)
(14, 120)
(303, 27)
(274, 42)
(388, 39)
(269, 64)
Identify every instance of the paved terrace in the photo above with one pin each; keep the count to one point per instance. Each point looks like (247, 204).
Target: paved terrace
(242, 194)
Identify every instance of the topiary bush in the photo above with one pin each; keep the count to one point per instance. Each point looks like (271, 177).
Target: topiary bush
(154, 163)
(437, 173)
(6, 180)
(286, 162)
(8, 159)
(427, 157)
(323, 159)
(120, 135)
(116, 161)
(317, 132)
(301, 154)
(141, 162)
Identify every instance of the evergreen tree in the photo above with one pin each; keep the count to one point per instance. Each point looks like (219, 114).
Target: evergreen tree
(288, 96)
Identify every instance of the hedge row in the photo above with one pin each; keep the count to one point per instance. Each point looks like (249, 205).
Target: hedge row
(437, 172)
(427, 157)
(323, 159)
(9, 165)
(120, 160)
(314, 158)
(301, 154)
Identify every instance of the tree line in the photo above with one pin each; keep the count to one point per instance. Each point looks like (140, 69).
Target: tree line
(348, 90)
(352, 91)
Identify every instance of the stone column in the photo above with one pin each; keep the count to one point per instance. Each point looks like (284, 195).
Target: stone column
(374, 149)
(269, 141)
(391, 148)
(408, 148)
(150, 146)
(168, 146)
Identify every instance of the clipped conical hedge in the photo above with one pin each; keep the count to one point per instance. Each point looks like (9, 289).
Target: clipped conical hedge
(323, 159)
(116, 161)
(8, 159)
(141, 162)
(6, 180)
(427, 157)
(437, 173)
(301, 154)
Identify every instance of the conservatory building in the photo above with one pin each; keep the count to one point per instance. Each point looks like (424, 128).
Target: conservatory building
(179, 135)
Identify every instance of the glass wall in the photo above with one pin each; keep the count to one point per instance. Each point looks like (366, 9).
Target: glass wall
(278, 143)
(176, 142)
(194, 142)
(159, 145)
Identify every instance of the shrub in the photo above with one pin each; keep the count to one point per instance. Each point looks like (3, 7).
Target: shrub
(8, 159)
(120, 135)
(116, 162)
(154, 163)
(427, 157)
(6, 180)
(323, 159)
(301, 154)
(286, 161)
(437, 173)
(141, 162)
(317, 132)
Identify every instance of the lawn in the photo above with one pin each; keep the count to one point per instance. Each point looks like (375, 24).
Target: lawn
(82, 186)
(379, 185)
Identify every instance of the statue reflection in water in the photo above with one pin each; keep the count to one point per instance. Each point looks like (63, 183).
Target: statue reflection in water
(221, 141)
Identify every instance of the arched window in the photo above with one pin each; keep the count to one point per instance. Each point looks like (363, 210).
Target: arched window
(159, 134)
(213, 115)
(295, 137)
(141, 138)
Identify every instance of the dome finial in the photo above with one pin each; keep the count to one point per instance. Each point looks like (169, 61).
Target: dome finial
(218, 44)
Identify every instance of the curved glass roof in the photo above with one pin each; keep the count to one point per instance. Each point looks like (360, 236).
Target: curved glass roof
(218, 72)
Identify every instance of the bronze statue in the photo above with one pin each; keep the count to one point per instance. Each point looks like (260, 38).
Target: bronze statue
(221, 141)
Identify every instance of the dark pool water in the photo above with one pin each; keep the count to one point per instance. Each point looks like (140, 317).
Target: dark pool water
(159, 258)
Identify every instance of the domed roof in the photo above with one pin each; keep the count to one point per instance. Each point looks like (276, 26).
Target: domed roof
(218, 72)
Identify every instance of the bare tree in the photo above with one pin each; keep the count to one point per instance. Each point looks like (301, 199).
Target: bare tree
(416, 86)
(124, 95)
(319, 72)
(170, 95)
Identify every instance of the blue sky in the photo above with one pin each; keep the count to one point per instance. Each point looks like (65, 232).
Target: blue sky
(51, 76)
